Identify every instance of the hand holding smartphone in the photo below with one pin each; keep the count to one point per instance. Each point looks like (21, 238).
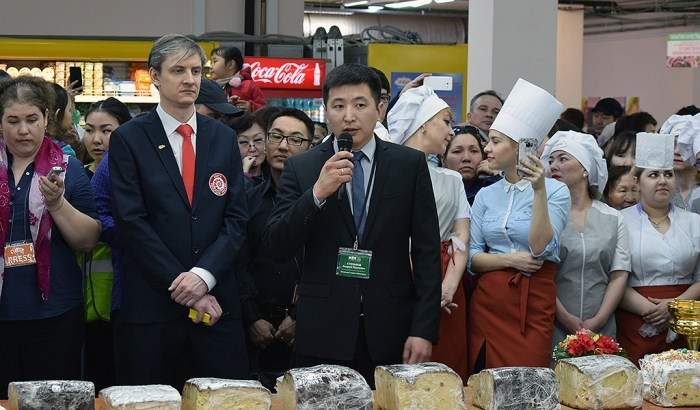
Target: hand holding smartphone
(54, 171)
(526, 146)
(76, 76)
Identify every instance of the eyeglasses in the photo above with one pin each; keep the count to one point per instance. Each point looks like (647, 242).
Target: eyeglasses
(467, 129)
(276, 138)
(384, 98)
(697, 165)
(258, 143)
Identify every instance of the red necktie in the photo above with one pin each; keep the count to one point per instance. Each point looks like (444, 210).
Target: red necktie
(187, 159)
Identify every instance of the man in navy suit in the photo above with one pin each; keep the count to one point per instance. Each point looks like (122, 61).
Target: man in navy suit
(367, 296)
(180, 211)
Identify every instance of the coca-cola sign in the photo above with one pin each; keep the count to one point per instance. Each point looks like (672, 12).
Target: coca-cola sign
(283, 73)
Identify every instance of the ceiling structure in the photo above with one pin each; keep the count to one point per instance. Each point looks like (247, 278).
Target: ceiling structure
(601, 16)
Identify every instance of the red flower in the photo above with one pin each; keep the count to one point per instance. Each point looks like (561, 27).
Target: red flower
(607, 345)
(581, 345)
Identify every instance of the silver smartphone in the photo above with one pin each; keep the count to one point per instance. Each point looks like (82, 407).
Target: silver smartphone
(526, 146)
(438, 82)
(54, 171)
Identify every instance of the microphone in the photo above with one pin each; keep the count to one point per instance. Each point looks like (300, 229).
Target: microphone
(344, 144)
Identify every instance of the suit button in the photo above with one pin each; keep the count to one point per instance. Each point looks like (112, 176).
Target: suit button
(194, 217)
(357, 288)
(195, 250)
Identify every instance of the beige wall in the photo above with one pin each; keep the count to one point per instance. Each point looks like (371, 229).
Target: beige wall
(569, 57)
(634, 64)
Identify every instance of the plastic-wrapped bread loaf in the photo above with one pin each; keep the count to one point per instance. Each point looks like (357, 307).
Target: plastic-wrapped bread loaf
(421, 386)
(324, 387)
(51, 395)
(149, 397)
(515, 388)
(672, 378)
(222, 394)
(599, 382)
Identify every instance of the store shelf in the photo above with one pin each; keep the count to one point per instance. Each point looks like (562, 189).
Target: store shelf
(122, 98)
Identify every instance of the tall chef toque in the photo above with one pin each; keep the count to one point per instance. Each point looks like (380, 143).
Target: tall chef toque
(529, 112)
(585, 149)
(654, 151)
(413, 109)
(689, 140)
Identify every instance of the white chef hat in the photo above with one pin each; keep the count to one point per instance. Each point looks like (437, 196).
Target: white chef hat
(608, 131)
(689, 140)
(413, 109)
(654, 151)
(585, 149)
(529, 112)
(674, 124)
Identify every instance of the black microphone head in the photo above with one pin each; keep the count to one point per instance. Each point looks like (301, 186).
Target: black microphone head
(345, 142)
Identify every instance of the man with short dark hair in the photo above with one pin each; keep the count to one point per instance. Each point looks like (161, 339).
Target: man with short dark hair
(271, 314)
(179, 209)
(211, 101)
(606, 111)
(364, 299)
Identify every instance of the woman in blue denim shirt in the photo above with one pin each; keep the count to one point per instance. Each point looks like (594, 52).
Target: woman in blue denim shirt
(514, 241)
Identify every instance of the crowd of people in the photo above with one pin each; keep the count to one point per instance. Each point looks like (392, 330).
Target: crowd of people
(217, 236)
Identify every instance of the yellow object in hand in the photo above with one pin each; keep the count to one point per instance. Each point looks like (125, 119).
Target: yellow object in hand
(193, 315)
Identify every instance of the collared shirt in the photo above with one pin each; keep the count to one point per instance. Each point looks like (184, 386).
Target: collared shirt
(369, 150)
(170, 125)
(672, 258)
(502, 213)
(686, 203)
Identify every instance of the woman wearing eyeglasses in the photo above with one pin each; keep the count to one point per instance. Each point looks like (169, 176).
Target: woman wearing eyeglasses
(595, 256)
(250, 129)
(465, 155)
(421, 120)
(665, 248)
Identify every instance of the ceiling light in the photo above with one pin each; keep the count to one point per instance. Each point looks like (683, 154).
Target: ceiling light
(412, 3)
(374, 9)
(338, 12)
(444, 1)
(356, 3)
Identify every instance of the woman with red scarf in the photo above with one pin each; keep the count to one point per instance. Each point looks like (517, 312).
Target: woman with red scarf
(42, 220)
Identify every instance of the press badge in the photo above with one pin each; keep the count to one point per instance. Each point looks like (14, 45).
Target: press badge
(19, 254)
(353, 263)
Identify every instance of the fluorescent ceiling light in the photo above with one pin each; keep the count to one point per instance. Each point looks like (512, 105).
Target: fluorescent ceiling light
(356, 3)
(374, 9)
(342, 13)
(412, 3)
(444, 1)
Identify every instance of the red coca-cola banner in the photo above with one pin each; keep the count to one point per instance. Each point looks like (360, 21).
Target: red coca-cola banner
(285, 73)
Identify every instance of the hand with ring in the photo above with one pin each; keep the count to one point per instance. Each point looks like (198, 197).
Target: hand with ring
(342, 171)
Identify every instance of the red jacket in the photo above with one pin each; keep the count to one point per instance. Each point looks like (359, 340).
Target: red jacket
(247, 90)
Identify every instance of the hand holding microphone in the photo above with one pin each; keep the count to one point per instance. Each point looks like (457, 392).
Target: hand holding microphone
(336, 171)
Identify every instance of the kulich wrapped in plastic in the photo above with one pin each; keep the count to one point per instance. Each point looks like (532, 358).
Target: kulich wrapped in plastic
(148, 397)
(515, 388)
(599, 382)
(672, 378)
(223, 394)
(324, 387)
(421, 386)
(51, 395)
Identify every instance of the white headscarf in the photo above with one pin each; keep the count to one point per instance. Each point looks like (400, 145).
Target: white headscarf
(413, 109)
(585, 149)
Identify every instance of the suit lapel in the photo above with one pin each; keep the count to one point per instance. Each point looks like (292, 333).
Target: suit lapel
(380, 175)
(161, 145)
(202, 159)
(328, 151)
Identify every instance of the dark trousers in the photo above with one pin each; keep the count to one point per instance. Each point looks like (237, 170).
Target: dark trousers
(99, 364)
(269, 363)
(362, 361)
(42, 349)
(154, 353)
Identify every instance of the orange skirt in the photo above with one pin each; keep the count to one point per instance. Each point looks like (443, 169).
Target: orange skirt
(628, 325)
(452, 338)
(512, 316)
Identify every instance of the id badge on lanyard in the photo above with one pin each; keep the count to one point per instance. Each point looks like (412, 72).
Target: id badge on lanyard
(354, 262)
(19, 254)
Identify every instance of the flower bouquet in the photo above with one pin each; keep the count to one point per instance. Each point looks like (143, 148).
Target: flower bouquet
(587, 343)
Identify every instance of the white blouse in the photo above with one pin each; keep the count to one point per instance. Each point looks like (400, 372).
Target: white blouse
(450, 199)
(663, 259)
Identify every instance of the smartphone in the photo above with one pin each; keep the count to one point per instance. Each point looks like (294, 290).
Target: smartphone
(76, 74)
(54, 171)
(438, 82)
(526, 146)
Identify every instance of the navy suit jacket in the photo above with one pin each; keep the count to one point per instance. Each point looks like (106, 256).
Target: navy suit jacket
(164, 235)
(395, 302)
